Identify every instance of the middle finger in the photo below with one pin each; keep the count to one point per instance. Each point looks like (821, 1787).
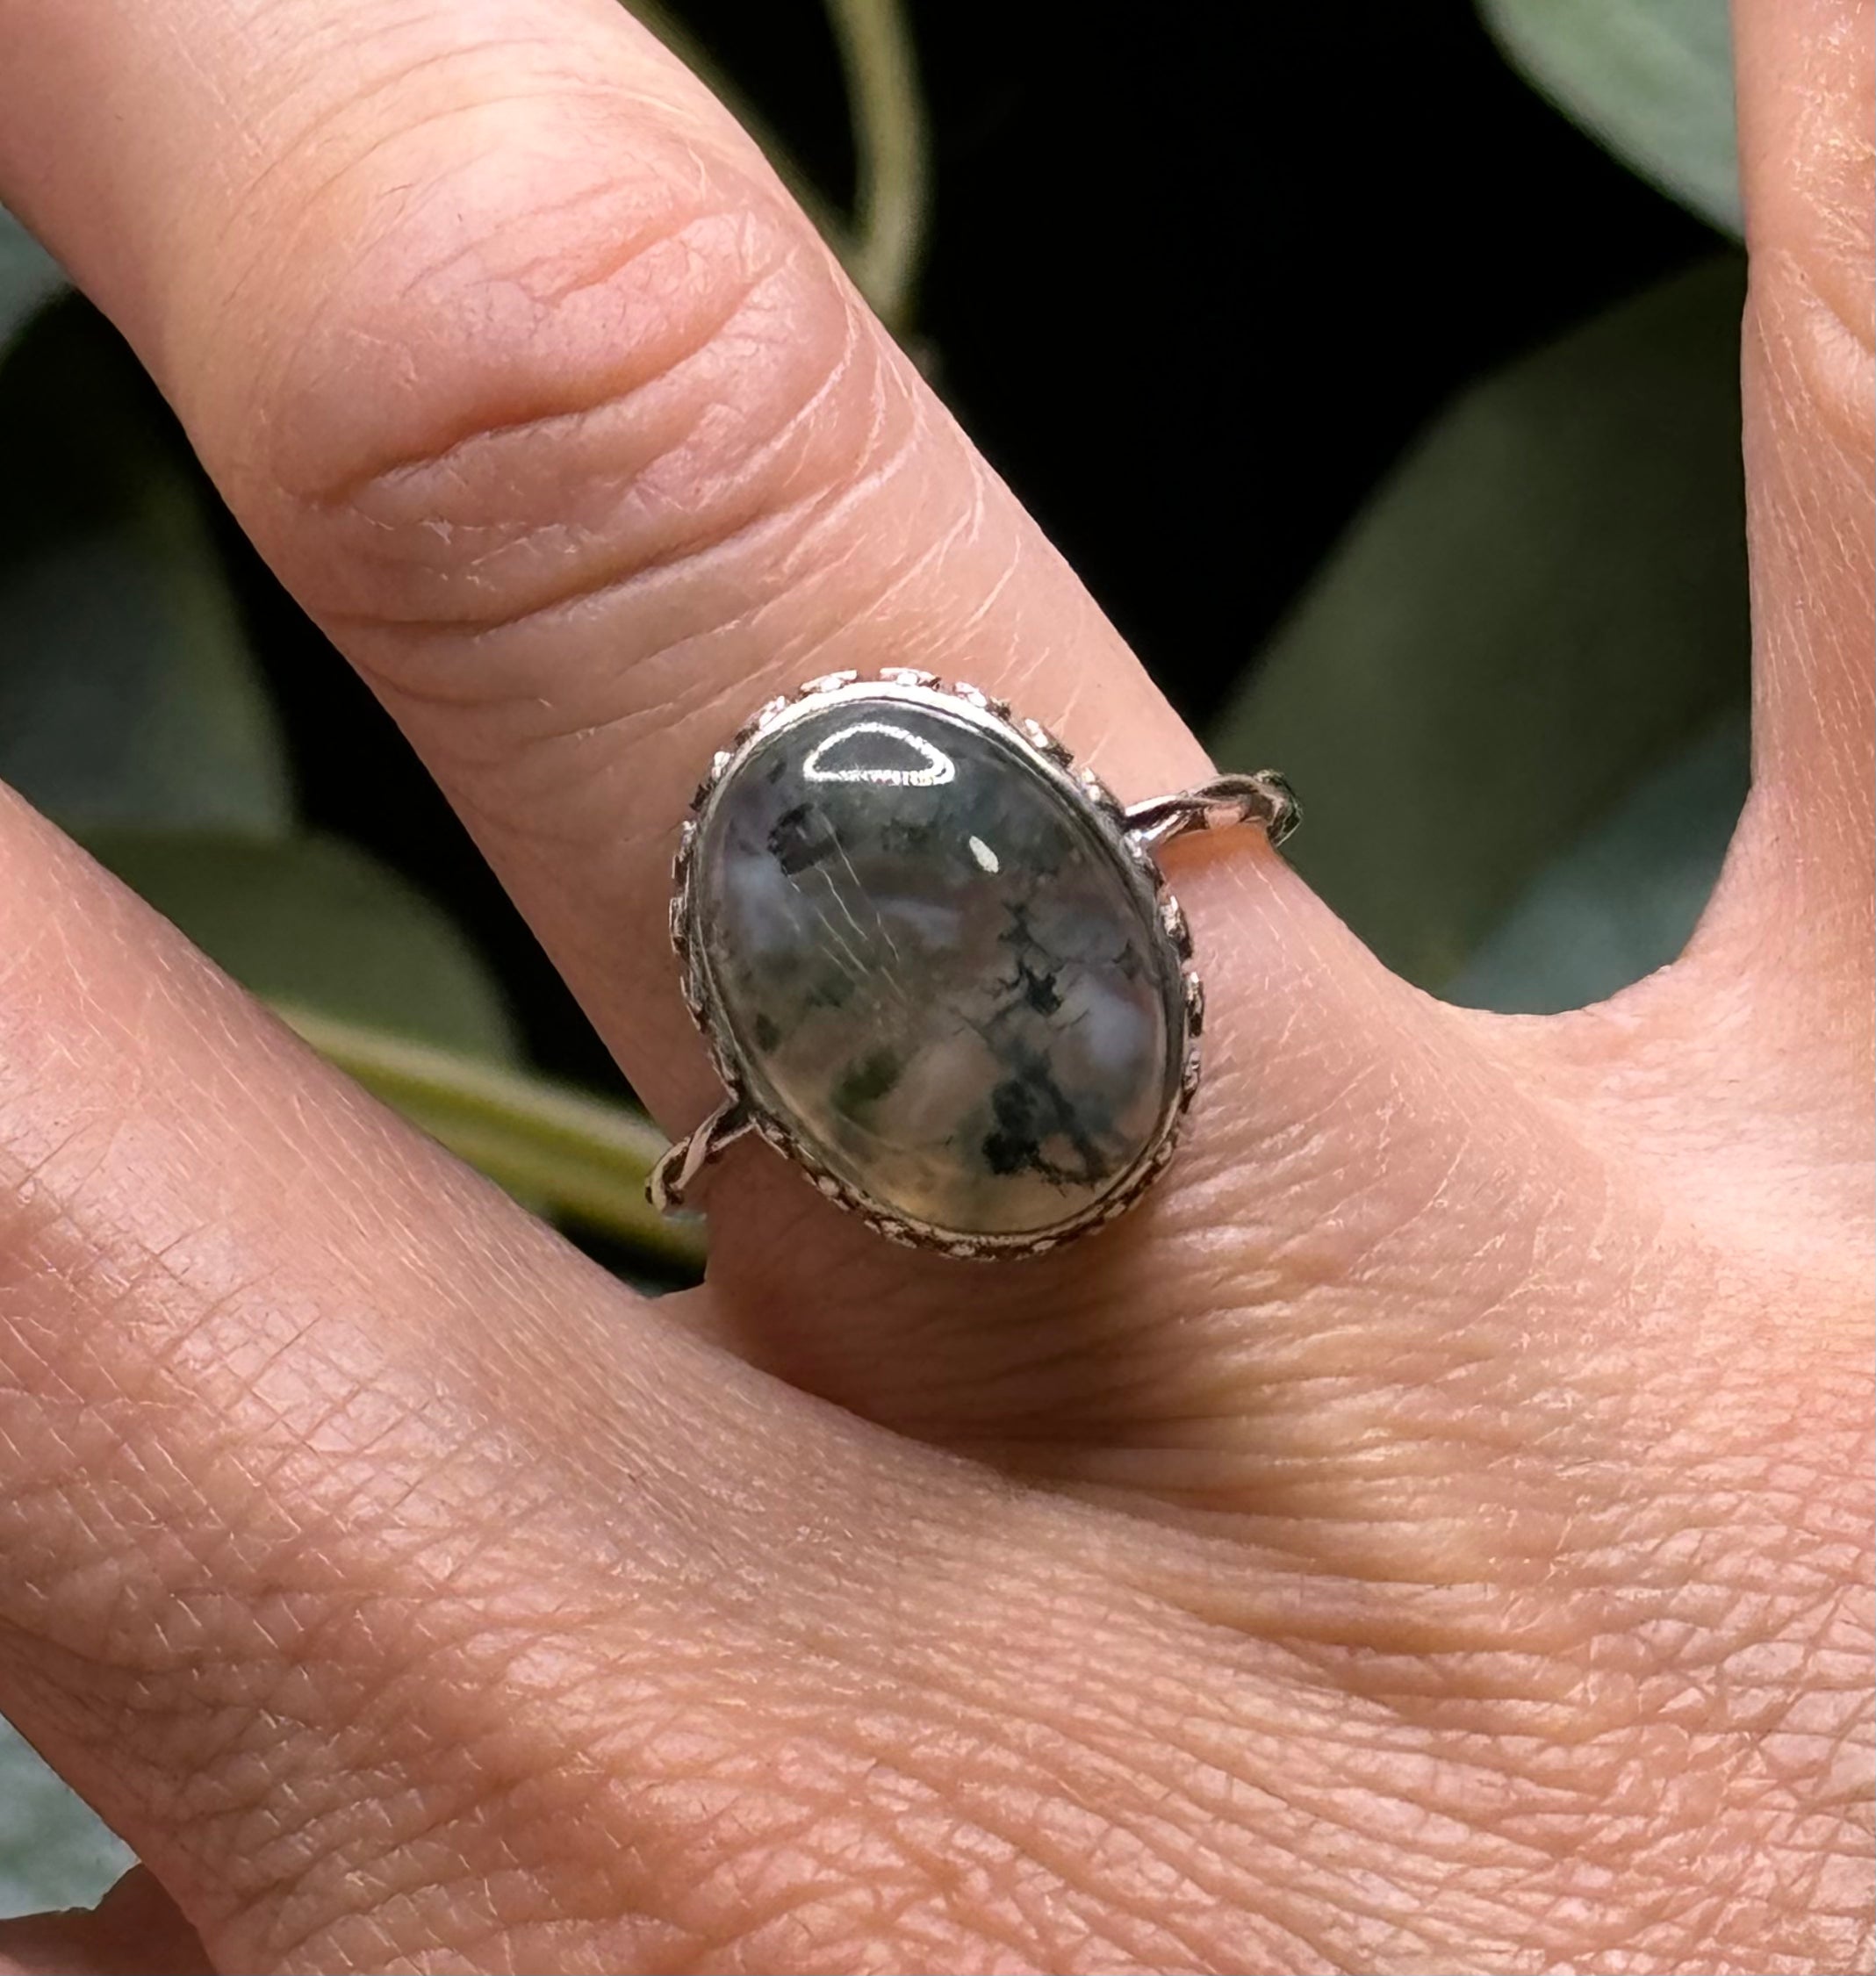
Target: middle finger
(508, 348)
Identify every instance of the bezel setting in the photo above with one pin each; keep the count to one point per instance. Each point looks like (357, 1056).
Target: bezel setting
(1043, 755)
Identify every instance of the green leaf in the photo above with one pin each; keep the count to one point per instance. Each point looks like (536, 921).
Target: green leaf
(29, 277)
(383, 983)
(127, 695)
(657, 18)
(318, 923)
(1544, 600)
(1650, 80)
(1624, 902)
(561, 1151)
(882, 245)
(892, 152)
(54, 1850)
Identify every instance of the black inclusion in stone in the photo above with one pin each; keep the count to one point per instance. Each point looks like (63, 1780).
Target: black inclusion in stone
(1029, 1109)
(1038, 989)
(800, 838)
(866, 1081)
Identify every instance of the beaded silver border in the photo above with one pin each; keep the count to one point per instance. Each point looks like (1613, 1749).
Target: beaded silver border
(1052, 759)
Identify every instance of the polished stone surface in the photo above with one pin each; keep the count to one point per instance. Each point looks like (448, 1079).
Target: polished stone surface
(934, 969)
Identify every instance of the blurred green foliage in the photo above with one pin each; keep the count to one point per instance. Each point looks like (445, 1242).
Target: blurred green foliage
(53, 1852)
(315, 922)
(29, 277)
(1545, 602)
(1623, 899)
(1651, 79)
(1515, 698)
(128, 697)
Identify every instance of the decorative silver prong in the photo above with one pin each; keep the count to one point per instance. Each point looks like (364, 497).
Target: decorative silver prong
(984, 702)
(763, 716)
(829, 682)
(1172, 918)
(908, 676)
(694, 995)
(1098, 794)
(1195, 1004)
(1044, 743)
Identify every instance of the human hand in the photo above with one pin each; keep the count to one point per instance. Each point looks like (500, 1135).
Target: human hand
(1433, 1534)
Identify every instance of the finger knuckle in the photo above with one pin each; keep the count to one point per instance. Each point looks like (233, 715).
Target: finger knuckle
(542, 384)
(1813, 313)
(1813, 347)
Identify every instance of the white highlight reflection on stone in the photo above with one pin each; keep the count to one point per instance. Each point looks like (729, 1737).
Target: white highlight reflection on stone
(936, 767)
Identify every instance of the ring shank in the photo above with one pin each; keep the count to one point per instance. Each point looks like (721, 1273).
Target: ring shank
(680, 1164)
(1264, 798)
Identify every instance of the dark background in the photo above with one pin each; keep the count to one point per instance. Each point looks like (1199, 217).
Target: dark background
(1194, 281)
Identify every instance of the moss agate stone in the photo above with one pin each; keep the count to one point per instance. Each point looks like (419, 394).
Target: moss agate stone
(933, 968)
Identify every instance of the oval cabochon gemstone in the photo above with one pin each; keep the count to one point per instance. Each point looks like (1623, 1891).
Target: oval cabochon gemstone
(932, 967)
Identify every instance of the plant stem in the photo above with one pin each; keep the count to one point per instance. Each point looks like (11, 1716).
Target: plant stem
(880, 247)
(657, 17)
(892, 151)
(558, 1149)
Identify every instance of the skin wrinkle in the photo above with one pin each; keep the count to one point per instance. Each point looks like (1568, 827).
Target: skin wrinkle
(1329, 1271)
(630, 311)
(596, 723)
(1001, 1817)
(404, 194)
(342, 1882)
(1816, 331)
(549, 425)
(742, 524)
(1084, 1726)
(556, 86)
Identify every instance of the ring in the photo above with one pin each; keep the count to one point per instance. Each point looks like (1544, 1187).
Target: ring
(937, 967)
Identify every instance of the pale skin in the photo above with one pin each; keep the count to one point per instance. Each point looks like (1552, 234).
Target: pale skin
(1433, 1535)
